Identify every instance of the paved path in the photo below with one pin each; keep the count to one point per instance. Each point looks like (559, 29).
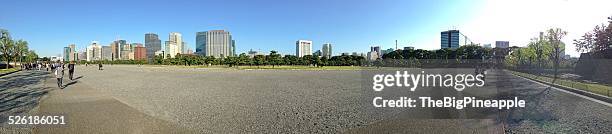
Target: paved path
(131, 99)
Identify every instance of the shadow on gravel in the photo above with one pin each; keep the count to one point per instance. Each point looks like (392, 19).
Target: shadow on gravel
(21, 92)
(77, 78)
(70, 83)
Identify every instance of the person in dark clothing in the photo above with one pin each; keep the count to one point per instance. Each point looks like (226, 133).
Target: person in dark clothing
(70, 70)
(99, 66)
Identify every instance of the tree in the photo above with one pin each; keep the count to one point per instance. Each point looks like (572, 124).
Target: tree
(307, 60)
(243, 59)
(324, 61)
(21, 47)
(6, 47)
(274, 58)
(259, 60)
(290, 60)
(554, 38)
(586, 43)
(231, 61)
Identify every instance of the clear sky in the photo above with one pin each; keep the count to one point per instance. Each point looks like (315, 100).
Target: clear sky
(351, 25)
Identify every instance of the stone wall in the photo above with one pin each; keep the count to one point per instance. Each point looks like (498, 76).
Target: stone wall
(596, 66)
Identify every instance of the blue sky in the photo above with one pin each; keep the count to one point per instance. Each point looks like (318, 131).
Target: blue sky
(351, 25)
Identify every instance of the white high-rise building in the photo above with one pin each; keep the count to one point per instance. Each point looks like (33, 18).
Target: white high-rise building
(176, 39)
(303, 47)
(174, 45)
(171, 49)
(94, 52)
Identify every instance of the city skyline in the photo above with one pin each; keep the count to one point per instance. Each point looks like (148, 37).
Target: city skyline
(271, 25)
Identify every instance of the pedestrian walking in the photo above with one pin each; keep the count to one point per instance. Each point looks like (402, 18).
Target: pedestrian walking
(59, 74)
(70, 69)
(99, 66)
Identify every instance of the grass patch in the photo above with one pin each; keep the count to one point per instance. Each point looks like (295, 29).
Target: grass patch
(305, 67)
(3, 71)
(593, 88)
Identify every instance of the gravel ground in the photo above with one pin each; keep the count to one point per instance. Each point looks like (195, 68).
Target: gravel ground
(284, 101)
(20, 94)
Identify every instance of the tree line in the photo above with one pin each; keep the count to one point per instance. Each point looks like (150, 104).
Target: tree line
(273, 59)
(542, 52)
(15, 50)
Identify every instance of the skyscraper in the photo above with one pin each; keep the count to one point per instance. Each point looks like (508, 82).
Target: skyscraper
(126, 49)
(72, 56)
(327, 50)
(217, 43)
(177, 38)
(171, 49)
(174, 45)
(117, 47)
(66, 54)
(94, 52)
(153, 44)
(114, 50)
(107, 53)
(303, 47)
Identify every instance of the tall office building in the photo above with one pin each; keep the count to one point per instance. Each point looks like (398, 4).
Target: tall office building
(502, 44)
(66, 54)
(217, 43)
(326, 51)
(94, 52)
(117, 47)
(114, 53)
(234, 48)
(107, 53)
(452, 39)
(184, 48)
(126, 50)
(73, 54)
(153, 44)
(177, 38)
(174, 45)
(303, 47)
(378, 51)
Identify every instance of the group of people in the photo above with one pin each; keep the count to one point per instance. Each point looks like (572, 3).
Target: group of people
(58, 71)
(36, 66)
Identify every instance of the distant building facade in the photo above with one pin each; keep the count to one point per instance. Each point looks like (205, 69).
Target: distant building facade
(153, 44)
(326, 51)
(252, 53)
(140, 53)
(73, 54)
(217, 43)
(66, 53)
(94, 52)
(452, 39)
(502, 44)
(376, 51)
(303, 47)
(107, 53)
